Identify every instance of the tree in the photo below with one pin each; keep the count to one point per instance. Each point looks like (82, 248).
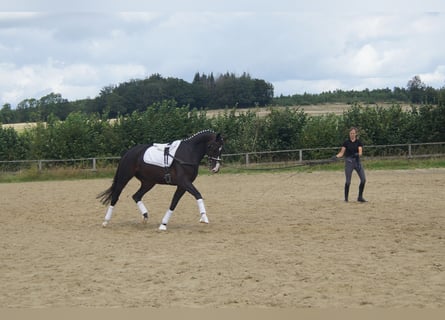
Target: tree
(283, 129)
(26, 111)
(441, 96)
(12, 145)
(52, 103)
(416, 89)
(6, 114)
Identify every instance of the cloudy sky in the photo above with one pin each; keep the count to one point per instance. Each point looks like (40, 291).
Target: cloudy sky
(76, 49)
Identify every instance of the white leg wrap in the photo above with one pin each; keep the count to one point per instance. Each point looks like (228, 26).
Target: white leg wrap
(108, 216)
(202, 210)
(141, 207)
(201, 206)
(167, 216)
(204, 218)
(109, 213)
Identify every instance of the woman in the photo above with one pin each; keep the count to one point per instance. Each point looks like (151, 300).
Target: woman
(352, 150)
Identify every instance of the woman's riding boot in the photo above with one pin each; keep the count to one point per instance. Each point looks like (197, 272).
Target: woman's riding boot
(346, 192)
(361, 187)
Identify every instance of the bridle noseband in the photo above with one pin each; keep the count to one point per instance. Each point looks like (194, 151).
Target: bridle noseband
(211, 157)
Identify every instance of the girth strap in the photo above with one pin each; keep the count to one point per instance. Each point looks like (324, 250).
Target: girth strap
(167, 175)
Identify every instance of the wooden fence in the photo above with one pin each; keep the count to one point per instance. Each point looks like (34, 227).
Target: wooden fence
(297, 156)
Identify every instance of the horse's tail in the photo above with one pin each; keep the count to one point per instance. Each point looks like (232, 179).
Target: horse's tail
(105, 196)
(125, 171)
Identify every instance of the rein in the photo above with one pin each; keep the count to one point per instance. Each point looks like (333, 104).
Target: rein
(181, 161)
(167, 175)
(317, 162)
(213, 158)
(185, 163)
(300, 164)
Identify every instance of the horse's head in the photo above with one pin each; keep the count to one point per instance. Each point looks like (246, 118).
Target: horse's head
(214, 151)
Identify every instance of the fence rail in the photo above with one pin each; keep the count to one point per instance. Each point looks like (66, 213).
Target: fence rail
(411, 150)
(296, 156)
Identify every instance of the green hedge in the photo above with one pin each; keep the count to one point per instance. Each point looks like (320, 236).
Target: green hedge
(82, 135)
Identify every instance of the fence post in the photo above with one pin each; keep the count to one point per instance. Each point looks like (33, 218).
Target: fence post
(39, 164)
(247, 159)
(94, 164)
(409, 151)
(300, 152)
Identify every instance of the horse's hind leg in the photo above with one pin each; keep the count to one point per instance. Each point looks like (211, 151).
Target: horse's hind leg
(116, 192)
(137, 197)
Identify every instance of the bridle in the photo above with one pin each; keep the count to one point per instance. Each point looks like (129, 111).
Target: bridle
(214, 159)
(209, 155)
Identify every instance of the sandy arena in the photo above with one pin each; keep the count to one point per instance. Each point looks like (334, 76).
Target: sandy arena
(276, 240)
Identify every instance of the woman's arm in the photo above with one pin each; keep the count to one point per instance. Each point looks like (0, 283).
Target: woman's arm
(342, 152)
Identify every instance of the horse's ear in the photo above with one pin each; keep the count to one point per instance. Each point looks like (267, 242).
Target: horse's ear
(218, 137)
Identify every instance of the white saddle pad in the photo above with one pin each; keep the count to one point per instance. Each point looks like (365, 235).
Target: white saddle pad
(155, 154)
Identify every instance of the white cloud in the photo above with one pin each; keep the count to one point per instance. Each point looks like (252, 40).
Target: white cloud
(75, 81)
(366, 61)
(337, 6)
(435, 78)
(298, 48)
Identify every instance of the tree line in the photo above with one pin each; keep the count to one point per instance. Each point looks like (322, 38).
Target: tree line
(83, 135)
(416, 92)
(206, 92)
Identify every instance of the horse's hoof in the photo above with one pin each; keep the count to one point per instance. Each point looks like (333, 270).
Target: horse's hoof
(163, 227)
(204, 219)
(104, 224)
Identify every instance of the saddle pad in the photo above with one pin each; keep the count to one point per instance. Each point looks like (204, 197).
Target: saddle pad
(155, 154)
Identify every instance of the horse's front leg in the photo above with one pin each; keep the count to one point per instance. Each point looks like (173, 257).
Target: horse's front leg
(202, 210)
(176, 197)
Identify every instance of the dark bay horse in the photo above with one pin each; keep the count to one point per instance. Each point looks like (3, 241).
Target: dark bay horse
(181, 173)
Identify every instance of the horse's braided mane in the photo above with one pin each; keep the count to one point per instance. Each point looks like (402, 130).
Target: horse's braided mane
(198, 133)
